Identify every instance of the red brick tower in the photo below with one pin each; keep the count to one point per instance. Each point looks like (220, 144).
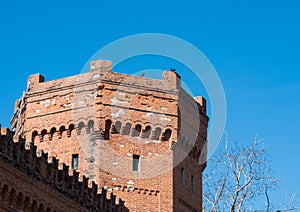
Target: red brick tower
(139, 138)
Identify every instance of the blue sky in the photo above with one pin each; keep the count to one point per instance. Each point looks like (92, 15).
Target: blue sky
(253, 45)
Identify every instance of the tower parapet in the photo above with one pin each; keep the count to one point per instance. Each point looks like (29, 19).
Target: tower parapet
(119, 130)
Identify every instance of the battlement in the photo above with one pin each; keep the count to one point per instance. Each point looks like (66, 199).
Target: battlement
(109, 93)
(38, 166)
(101, 71)
(119, 130)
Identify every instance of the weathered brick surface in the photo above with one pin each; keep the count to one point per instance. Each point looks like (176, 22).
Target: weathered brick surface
(108, 117)
(32, 181)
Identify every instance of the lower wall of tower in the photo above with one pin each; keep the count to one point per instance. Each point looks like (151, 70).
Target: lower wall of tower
(147, 194)
(188, 186)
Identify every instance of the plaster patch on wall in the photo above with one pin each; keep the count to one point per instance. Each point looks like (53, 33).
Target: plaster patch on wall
(46, 102)
(164, 119)
(117, 114)
(148, 115)
(164, 108)
(96, 76)
(115, 101)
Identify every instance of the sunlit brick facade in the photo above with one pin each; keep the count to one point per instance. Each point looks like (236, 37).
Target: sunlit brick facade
(142, 139)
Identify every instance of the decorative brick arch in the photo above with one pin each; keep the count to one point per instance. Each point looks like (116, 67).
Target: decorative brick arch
(43, 135)
(34, 135)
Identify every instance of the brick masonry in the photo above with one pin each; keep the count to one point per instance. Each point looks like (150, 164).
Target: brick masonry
(32, 181)
(106, 118)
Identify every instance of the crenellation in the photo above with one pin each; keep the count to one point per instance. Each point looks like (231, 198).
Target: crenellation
(54, 174)
(101, 66)
(103, 119)
(173, 79)
(34, 80)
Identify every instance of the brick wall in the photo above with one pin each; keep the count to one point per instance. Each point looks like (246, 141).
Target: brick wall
(106, 118)
(32, 181)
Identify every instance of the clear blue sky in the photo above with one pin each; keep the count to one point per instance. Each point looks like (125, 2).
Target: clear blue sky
(253, 45)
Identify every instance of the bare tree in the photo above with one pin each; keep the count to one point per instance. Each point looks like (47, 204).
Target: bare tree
(237, 177)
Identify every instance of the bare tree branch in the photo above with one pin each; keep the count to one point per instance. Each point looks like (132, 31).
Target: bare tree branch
(241, 174)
